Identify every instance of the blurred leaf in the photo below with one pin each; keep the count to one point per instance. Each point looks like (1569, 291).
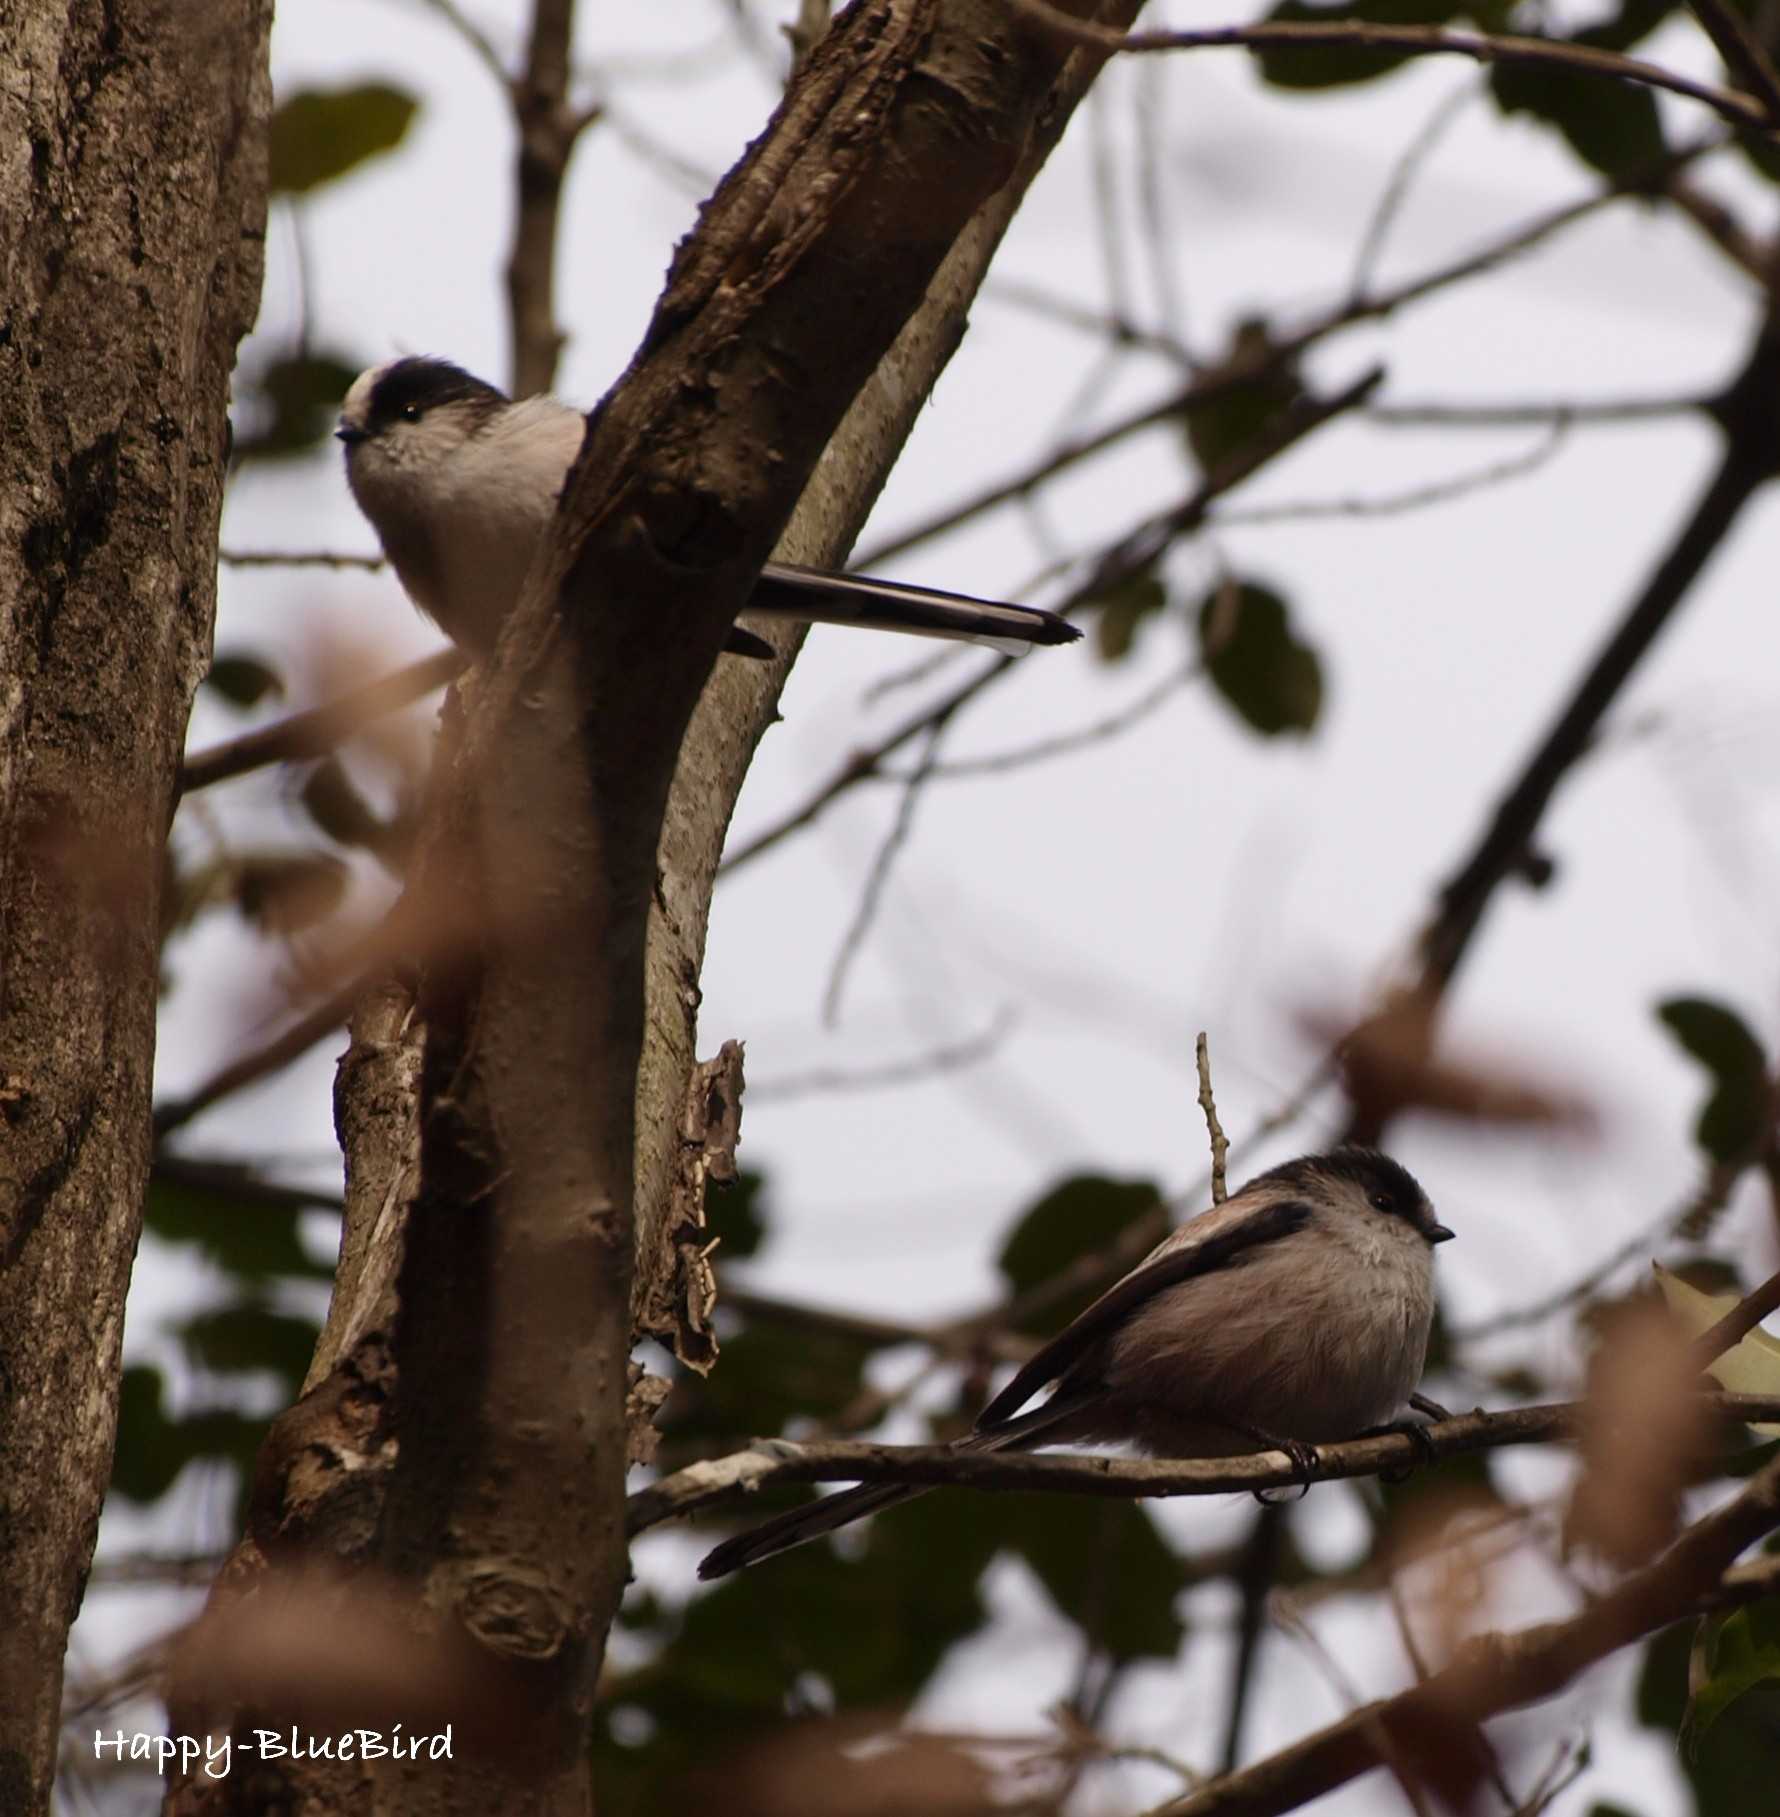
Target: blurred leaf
(291, 405)
(1340, 66)
(249, 1336)
(770, 1374)
(1734, 1117)
(336, 805)
(286, 893)
(1121, 610)
(735, 1215)
(1611, 126)
(251, 1241)
(1635, 21)
(1744, 1652)
(1105, 1567)
(153, 1449)
(1078, 1219)
(1274, 681)
(1751, 1366)
(321, 134)
(1224, 424)
(244, 681)
(1739, 1754)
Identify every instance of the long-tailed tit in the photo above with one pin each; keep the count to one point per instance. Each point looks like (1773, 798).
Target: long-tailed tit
(460, 484)
(1295, 1313)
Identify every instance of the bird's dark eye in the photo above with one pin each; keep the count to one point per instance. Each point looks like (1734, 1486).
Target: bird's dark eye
(1382, 1201)
(410, 413)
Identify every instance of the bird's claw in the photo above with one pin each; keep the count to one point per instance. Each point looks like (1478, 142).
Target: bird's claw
(1305, 1463)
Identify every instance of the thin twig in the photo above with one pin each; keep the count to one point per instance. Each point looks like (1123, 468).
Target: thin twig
(1220, 1143)
(317, 730)
(879, 875)
(1416, 498)
(473, 35)
(298, 558)
(1413, 40)
(1744, 54)
(1510, 416)
(946, 1058)
(773, 1460)
(1410, 163)
(1736, 1324)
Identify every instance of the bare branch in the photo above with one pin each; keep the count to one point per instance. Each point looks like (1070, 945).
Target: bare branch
(317, 730)
(946, 1058)
(1736, 1324)
(1744, 54)
(772, 1460)
(1220, 1143)
(1414, 40)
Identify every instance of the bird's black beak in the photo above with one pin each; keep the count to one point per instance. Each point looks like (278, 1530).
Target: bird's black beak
(350, 434)
(1438, 1233)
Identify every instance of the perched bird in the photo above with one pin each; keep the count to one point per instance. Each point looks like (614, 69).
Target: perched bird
(460, 484)
(1295, 1313)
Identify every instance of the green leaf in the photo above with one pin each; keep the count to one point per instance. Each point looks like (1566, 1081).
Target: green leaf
(286, 893)
(1078, 1219)
(251, 1240)
(1612, 126)
(1272, 679)
(153, 1449)
(249, 1336)
(1121, 610)
(1340, 66)
(1733, 1118)
(770, 1374)
(294, 401)
(1739, 1752)
(321, 134)
(244, 681)
(736, 1215)
(1744, 1652)
(1229, 420)
(1103, 1564)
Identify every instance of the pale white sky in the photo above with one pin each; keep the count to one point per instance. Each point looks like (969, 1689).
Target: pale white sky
(1183, 876)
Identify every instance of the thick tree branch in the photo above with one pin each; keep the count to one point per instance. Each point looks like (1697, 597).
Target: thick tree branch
(1499, 1672)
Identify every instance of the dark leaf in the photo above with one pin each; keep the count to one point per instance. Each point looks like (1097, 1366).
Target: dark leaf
(251, 1241)
(289, 406)
(770, 1374)
(249, 1336)
(1274, 681)
(1121, 610)
(152, 1449)
(1227, 422)
(285, 893)
(1738, 1754)
(736, 1215)
(320, 134)
(1078, 1219)
(337, 807)
(244, 681)
(1612, 126)
(1734, 1116)
(1744, 1652)
(1103, 1564)
(1340, 66)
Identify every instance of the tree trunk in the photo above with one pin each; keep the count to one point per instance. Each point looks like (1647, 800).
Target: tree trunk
(132, 215)
(488, 1332)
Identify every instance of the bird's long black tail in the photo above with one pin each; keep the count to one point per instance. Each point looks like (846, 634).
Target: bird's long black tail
(855, 599)
(798, 1526)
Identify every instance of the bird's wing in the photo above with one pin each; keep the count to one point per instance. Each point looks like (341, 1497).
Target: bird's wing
(1211, 1241)
(857, 599)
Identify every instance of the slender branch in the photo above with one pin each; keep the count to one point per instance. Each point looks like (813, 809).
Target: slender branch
(547, 130)
(298, 558)
(771, 1460)
(1736, 1324)
(1220, 1143)
(1409, 165)
(1412, 40)
(1509, 416)
(1744, 54)
(946, 1058)
(473, 35)
(1498, 1672)
(289, 1044)
(318, 730)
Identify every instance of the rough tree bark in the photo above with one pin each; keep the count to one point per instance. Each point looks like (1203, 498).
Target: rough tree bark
(132, 212)
(496, 1143)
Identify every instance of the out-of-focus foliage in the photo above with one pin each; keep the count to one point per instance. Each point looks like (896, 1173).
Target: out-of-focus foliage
(1068, 1225)
(288, 405)
(1740, 1755)
(318, 135)
(1263, 669)
(1734, 1117)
